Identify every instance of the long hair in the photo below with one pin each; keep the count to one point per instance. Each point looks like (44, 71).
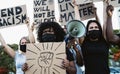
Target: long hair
(58, 30)
(99, 26)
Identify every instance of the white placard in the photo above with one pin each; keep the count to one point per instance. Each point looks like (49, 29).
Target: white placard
(83, 1)
(97, 0)
(46, 58)
(43, 10)
(115, 3)
(13, 16)
(66, 10)
(86, 11)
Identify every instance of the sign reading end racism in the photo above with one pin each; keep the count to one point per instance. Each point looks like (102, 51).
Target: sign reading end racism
(12, 16)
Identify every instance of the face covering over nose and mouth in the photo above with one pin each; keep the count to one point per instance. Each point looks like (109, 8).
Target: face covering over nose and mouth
(94, 34)
(48, 38)
(23, 48)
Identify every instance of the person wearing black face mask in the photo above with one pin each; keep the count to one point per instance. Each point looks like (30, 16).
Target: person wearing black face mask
(95, 50)
(53, 32)
(94, 47)
(19, 56)
(94, 34)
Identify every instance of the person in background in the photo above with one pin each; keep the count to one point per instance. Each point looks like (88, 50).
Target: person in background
(75, 49)
(19, 56)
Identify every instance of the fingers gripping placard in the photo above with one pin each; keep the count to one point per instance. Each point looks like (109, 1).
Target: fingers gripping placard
(45, 58)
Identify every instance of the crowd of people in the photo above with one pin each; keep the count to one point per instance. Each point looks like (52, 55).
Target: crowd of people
(92, 50)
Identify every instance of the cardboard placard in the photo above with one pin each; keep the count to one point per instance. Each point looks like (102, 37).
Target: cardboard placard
(115, 3)
(86, 11)
(66, 10)
(83, 1)
(13, 16)
(97, 0)
(45, 58)
(43, 10)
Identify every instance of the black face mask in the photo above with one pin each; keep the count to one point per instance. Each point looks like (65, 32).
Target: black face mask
(48, 38)
(94, 34)
(23, 48)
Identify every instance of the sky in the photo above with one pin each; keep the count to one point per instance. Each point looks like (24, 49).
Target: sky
(14, 33)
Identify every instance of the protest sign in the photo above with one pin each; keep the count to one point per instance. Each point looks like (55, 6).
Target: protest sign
(43, 10)
(66, 10)
(45, 58)
(115, 3)
(97, 0)
(86, 11)
(83, 1)
(13, 16)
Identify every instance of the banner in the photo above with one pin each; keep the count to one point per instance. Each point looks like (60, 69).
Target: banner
(45, 58)
(115, 3)
(86, 11)
(13, 16)
(43, 10)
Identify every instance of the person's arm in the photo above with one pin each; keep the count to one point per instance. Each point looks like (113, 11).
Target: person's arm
(7, 48)
(79, 58)
(95, 12)
(76, 10)
(30, 31)
(70, 66)
(111, 37)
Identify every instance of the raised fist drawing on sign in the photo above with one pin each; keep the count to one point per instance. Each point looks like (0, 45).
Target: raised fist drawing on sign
(45, 61)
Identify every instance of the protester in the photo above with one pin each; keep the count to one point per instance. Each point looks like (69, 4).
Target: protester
(75, 49)
(95, 49)
(53, 32)
(19, 56)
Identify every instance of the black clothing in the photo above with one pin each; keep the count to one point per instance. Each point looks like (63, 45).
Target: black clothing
(69, 55)
(95, 55)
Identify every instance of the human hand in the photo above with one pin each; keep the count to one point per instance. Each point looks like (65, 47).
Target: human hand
(33, 26)
(94, 9)
(27, 21)
(25, 67)
(65, 64)
(74, 3)
(109, 10)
